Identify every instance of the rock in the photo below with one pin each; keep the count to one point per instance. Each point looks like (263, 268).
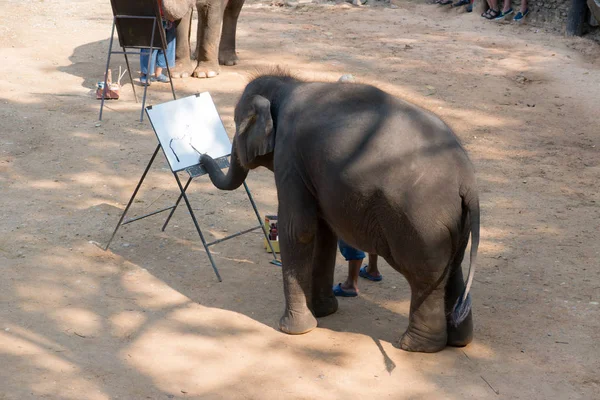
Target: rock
(347, 78)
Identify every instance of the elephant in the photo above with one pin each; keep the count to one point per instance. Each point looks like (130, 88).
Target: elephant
(351, 161)
(217, 26)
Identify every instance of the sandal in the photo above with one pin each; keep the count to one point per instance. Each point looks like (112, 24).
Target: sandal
(491, 14)
(445, 2)
(364, 274)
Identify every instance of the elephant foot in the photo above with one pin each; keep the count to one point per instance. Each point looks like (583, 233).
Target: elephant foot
(181, 69)
(461, 335)
(206, 69)
(412, 340)
(228, 57)
(325, 306)
(297, 324)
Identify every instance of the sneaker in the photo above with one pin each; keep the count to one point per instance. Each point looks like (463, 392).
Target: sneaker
(161, 78)
(520, 15)
(504, 14)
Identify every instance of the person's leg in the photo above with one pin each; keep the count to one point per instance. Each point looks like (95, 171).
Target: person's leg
(169, 56)
(493, 11)
(144, 58)
(507, 6)
(354, 258)
(372, 266)
(523, 12)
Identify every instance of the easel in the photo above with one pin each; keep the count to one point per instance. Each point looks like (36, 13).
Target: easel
(136, 22)
(193, 171)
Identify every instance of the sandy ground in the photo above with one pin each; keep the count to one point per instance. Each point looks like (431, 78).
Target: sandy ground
(148, 319)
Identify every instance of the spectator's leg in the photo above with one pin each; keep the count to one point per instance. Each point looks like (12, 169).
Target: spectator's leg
(372, 267)
(354, 258)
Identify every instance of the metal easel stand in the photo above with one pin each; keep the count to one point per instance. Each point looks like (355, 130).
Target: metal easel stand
(138, 53)
(183, 195)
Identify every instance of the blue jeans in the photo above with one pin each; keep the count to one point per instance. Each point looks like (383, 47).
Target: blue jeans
(158, 56)
(350, 253)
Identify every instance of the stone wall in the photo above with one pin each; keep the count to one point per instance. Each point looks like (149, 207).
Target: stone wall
(549, 13)
(546, 13)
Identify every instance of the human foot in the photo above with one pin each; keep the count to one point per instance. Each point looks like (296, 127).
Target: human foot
(372, 275)
(341, 290)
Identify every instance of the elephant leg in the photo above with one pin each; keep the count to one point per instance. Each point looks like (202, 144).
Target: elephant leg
(324, 301)
(426, 330)
(461, 335)
(297, 227)
(227, 54)
(183, 64)
(210, 17)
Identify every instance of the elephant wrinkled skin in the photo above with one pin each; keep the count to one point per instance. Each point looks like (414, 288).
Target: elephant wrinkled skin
(217, 25)
(387, 177)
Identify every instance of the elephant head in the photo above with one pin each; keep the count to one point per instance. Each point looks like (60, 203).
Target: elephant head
(253, 143)
(175, 10)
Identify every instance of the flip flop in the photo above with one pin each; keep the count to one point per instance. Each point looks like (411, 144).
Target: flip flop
(338, 291)
(364, 274)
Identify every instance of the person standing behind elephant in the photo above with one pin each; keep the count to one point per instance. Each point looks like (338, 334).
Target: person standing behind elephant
(158, 59)
(355, 257)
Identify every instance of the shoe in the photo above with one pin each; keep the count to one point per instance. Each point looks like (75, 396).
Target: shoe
(364, 274)
(144, 80)
(504, 14)
(490, 14)
(161, 78)
(520, 16)
(338, 291)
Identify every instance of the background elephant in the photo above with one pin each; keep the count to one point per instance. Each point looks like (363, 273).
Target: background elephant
(217, 25)
(385, 176)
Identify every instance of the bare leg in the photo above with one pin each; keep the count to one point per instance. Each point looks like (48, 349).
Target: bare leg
(523, 6)
(351, 283)
(372, 266)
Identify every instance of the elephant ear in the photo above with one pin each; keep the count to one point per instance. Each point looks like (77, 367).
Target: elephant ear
(256, 136)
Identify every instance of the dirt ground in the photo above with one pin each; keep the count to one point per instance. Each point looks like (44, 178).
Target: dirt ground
(148, 318)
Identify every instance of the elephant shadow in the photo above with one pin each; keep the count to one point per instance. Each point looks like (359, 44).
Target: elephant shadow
(251, 286)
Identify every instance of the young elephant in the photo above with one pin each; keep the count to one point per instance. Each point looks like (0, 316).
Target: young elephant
(346, 149)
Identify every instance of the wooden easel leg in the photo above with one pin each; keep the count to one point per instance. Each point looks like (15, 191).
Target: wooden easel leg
(133, 196)
(189, 206)
(130, 77)
(112, 34)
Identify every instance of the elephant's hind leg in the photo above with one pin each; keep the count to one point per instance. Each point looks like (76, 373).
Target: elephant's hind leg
(426, 330)
(324, 301)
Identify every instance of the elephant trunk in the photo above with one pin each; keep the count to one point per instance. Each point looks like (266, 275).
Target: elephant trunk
(235, 176)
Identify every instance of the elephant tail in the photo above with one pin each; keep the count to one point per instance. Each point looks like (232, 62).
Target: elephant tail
(463, 304)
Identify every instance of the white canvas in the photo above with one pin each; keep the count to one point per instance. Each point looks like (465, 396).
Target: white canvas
(189, 127)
